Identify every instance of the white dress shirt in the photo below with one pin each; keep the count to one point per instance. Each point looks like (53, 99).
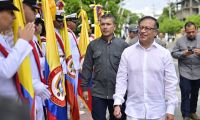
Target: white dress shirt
(74, 50)
(38, 85)
(150, 79)
(75, 55)
(10, 65)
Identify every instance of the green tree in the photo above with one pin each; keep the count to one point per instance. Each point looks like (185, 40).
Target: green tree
(169, 24)
(195, 19)
(74, 6)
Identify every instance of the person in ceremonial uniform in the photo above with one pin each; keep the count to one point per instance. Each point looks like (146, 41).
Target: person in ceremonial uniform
(187, 52)
(11, 58)
(71, 24)
(59, 24)
(39, 84)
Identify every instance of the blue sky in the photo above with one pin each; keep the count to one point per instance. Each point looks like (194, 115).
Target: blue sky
(146, 7)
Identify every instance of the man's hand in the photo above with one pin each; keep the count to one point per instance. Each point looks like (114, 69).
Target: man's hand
(85, 95)
(117, 112)
(28, 32)
(196, 51)
(187, 53)
(169, 116)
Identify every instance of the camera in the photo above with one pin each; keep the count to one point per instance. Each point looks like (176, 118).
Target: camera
(190, 48)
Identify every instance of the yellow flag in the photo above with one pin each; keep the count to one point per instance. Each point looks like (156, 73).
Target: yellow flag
(84, 37)
(65, 37)
(98, 12)
(51, 45)
(52, 6)
(25, 75)
(56, 106)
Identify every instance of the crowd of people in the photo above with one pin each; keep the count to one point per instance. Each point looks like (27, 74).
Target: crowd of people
(134, 79)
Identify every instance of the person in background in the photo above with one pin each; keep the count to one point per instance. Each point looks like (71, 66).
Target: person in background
(132, 36)
(39, 84)
(187, 51)
(161, 39)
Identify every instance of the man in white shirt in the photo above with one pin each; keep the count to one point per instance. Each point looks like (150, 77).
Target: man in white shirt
(147, 73)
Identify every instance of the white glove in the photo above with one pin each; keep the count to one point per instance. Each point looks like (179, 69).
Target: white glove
(42, 91)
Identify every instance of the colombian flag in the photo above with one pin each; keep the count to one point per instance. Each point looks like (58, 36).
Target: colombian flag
(56, 106)
(71, 83)
(24, 74)
(83, 43)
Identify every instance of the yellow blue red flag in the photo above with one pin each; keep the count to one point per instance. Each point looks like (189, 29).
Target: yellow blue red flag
(56, 106)
(24, 73)
(71, 82)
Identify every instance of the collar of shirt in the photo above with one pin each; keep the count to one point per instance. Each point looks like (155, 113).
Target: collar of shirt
(113, 37)
(153, 45)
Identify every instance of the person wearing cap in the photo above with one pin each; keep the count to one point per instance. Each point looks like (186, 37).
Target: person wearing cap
(59, 24)
(71, 24)
(11, 58)
(132, 36)
(40, 88)
(40, 32)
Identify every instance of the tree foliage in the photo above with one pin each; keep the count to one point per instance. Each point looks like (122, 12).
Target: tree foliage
(168, 22)
(195, 19)
(174, 25)
(74, 6)
(171, 26)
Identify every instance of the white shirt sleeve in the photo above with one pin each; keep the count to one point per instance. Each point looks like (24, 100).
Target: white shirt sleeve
(11, 63)
(74, 51)
(121, 80)
(171, 82)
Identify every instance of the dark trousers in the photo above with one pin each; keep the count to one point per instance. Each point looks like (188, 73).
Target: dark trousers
(189, 95)
(99, 107)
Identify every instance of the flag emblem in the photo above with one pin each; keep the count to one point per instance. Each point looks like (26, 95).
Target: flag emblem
(57, 87)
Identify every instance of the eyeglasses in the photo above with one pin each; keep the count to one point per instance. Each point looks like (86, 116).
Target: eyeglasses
(147, 29)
